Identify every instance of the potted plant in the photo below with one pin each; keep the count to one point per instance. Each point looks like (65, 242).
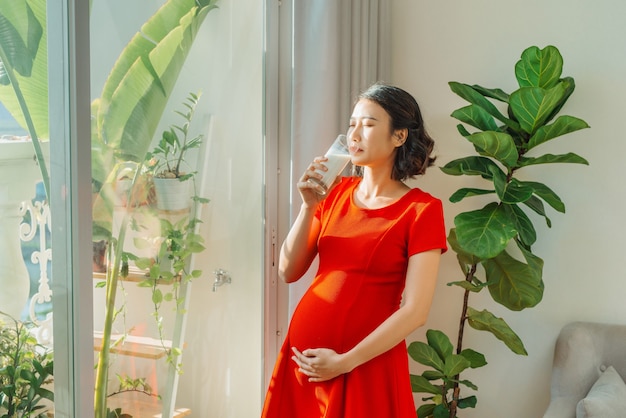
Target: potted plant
(166, 161)
(26, 370)
(171, 266)
(494, 243)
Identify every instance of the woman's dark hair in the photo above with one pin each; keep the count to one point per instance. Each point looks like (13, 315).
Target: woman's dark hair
(413, 157)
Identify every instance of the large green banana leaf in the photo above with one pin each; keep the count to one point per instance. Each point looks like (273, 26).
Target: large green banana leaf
(24, 55)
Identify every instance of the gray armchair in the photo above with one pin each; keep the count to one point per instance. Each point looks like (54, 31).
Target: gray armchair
(583, 352)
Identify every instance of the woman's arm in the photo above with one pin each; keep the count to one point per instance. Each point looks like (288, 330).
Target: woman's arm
(322, 364)
(300, 246)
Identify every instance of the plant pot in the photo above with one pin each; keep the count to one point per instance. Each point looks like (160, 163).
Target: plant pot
(172, 194)
(19, 173)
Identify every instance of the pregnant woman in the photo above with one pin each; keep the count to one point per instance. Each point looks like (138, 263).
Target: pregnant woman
(345, 353)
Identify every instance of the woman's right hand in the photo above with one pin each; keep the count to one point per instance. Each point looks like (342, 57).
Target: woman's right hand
(309, 191)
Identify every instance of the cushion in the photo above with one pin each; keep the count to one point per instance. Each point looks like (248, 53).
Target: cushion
(606, 398)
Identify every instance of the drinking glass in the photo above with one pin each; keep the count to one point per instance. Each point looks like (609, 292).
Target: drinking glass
(338, 157)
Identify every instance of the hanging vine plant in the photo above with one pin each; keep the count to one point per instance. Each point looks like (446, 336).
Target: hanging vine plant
(494, 243)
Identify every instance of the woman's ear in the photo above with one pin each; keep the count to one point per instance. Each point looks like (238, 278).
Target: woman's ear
(399, 136)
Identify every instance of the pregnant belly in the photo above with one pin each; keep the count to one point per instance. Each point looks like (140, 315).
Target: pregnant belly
(337, 312)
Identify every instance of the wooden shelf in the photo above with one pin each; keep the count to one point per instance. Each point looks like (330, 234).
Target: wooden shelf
(143, 347)
(134, 275)
(140, 405)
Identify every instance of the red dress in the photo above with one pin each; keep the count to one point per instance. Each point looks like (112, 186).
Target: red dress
(363, 256)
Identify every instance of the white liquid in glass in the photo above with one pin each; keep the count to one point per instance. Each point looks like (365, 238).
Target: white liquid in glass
(338, 158)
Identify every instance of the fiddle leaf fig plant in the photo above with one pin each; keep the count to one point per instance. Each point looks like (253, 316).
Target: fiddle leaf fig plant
(494, 243)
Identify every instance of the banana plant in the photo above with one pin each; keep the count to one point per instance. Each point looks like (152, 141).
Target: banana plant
(24, 70)
(494, 243)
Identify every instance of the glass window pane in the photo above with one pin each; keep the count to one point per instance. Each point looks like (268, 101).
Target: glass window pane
(167, 76)
(25, 299)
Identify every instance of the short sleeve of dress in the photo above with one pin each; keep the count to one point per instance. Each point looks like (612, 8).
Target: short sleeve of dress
(326, 204)
(428, 231)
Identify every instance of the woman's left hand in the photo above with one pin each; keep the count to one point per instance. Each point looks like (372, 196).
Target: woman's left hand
(319, 364)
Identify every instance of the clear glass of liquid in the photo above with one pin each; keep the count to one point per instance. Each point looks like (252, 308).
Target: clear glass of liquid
(338, 157)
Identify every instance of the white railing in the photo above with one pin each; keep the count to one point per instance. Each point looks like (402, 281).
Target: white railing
(39, 220)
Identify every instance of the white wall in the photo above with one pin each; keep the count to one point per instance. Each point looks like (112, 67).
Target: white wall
(222, 362)
(479, 42)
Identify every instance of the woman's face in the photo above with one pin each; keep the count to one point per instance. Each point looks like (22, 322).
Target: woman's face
(370, 137)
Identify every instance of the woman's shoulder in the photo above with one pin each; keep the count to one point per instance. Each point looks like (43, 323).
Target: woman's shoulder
(418, 195)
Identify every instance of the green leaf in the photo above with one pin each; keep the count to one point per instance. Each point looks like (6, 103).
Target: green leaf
(570, 157)
(485, 232)
(539, 67)
(533, 106)
(463, 256)
(547, 195)
(144, 263)
(510, 192)
(46, 394)
(475, 116)
(468, 192)
(568, 86)
(27, 375)
(498, 145)
(463, 130)
(561, 126)
(421, 384)
(473, 96)
(470, 166)
(21, 34)
(433, 374)
(486, 321)
(441, 411)
(537, 205)
(523, 224)
(475, 358)
(455, 364)
(23, 44)
(426, 355)
(535, 262)
(469, 384)
(157, 296)
(426, 410)
(514, 284)
(467, 286)
(469, 402)
(497, 94)
(440, 342)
